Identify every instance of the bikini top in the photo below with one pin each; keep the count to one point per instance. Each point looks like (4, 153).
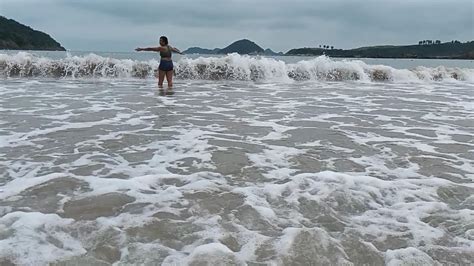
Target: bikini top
(166, 53)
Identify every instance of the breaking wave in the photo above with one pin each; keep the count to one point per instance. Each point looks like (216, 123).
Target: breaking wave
(230, 67)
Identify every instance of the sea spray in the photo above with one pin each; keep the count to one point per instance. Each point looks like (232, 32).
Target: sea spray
(229, 67)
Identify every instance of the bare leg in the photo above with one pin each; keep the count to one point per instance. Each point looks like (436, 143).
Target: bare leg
(161, 78)
(169, 78)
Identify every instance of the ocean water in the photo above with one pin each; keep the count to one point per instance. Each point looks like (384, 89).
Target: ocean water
(252, 161)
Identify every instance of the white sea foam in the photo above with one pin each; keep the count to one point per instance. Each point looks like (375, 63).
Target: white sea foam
(411, 255)
(230, 67)
(213, 253)
(41, 236)
(18, 185)
(236, 172)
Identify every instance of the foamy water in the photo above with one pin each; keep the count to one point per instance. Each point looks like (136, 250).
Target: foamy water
(253, 161)
(229, 67)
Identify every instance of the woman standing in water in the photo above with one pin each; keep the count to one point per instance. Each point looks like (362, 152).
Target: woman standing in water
(166, 64)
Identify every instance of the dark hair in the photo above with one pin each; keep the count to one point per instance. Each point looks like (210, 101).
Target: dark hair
(165, 40)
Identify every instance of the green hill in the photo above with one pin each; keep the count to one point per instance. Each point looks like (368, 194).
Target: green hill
(449, 50)
(16, 36)
(198, 50)
(242, 47)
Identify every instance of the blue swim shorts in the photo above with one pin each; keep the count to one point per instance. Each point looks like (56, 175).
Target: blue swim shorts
(166, 65)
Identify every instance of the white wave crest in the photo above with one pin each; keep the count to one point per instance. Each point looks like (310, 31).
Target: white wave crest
(229, 67)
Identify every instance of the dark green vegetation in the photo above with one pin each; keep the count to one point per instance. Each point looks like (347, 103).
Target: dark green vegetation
(425, 49)
(436, 50)
(198, 50)
(241, 47)
(16, 36)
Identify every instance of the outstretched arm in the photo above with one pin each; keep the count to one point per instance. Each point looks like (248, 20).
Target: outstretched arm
(176, 50)
(152, 49)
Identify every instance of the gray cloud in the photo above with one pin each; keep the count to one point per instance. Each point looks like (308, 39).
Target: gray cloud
(281, 25)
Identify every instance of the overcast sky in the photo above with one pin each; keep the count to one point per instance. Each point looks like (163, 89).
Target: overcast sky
(118, 25)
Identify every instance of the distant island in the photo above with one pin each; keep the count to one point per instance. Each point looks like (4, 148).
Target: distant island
(425, 49)
(243, 46)
(16, 36)
(198, 50)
